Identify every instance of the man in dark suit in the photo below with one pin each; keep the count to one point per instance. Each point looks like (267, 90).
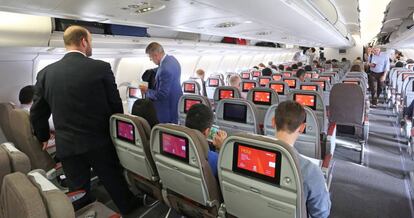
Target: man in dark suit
(167, 91)
(81, 93)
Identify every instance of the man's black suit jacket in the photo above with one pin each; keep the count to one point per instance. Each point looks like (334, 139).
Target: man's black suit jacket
(81, 93)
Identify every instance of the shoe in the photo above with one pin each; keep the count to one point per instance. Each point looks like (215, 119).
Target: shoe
(373, 105)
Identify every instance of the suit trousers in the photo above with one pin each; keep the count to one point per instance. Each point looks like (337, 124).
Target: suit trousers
(375, 85)
(105, 164)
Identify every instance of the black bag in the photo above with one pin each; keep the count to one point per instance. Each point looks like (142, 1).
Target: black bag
(149, 76)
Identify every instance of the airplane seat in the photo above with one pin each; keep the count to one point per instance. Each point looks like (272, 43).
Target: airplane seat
(311, 86)
(185, 103)
(262, 98)
(410, 66)
(12, 160)
(313, 100)
(277, 76)
(282, 89)
(331, 77)
(191, 87)
(131, 137)
(246, 85)
(132, 94)
(237, 115)
(255, 74)
(5, 109)
(347, 111)
(273, 189)
(402, 77)
(245, 75)
(325, 87)
(293, 82)
(264, 80)
(181, 157)
(211, 84)
(225, 92)
(394, 73)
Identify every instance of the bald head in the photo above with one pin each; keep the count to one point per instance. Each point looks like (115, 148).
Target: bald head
(78, 38)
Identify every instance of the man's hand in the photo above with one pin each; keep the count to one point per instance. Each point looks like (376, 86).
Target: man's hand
(382, 78)
(219, 139)
(143, 88)
(45, 145)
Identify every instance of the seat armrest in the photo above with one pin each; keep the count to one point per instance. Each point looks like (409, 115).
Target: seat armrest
(76, 195)
(331, 139)
(326, 161)
(331, 128)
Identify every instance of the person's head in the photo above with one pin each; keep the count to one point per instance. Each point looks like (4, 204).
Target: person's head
(328, 62)
(78, 38)
(26, 94)
(266, 72)
(295, 66)
(200, 74)
(300, 64)
(199, 117)
(235, 81)
(358, 58)
(356, 68)
(281, 67)
(288, 69)
(308, 68)
(256, 67)
(262, 65)
(301, 75)
(343, 60)
(289, 121)
(376, 50)
(145, 108)
(369, 49)
(315, 62)
(410, 61)
(155, 52)
(312, 49)
(399, 64)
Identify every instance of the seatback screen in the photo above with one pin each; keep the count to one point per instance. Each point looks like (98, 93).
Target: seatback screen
(132, 92)
(287, 74)
(308, 75)
(256, 73)
(291, 83)
(262, 97)
(260, 163)
(264, 81)
(189, 87)
(309, 87)
(321, 84)
(235, 112)
(306, 100)
(213, 82)
(174, 146)
(325, 78)
(125, 131)
(190, 102)
(279, 88)
(245, 75)
(223, 94)
(248, 85)
(277, 77)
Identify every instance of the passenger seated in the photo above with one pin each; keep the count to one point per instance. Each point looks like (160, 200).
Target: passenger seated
(308, 68)
(301, 75)
(200, 117)
(266, 72)
(145, 108)
(235, 81)
(399, 64)
(289, 121)
(281, 67)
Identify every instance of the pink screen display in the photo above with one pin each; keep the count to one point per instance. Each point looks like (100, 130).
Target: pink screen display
(174, 145)
(258, 161)
(125, 130)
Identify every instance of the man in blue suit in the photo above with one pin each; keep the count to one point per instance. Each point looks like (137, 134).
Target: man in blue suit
(167, 91)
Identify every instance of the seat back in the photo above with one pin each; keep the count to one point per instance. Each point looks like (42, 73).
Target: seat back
(410, 66)
(408, 91)
(264, 80)
(237, 115)
(262, 98)
(245, 75)
(395, 72)
(287, 74)
(12, 160)
(277, 77)
(130, 135)
(5, 109)
(185, 103)
(308, 143)
(26, 142)
(246, 85)
(225, 92)
(256, 73)
(313, 100)
(401, 78)
(282, 89)
(357, 81)
(263, 173)
(293, 82)
(191, 87)
(311, 86)
(211, 84)
(180, 156)
(33, 196)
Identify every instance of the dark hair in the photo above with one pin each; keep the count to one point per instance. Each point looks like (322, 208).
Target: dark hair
(288, 69)
(399, 64)
(300, 73)
(199, 117)
(145, 108)
(266, 72)
(73, 35)
(308, 68)
(410, 61)
(294, 66)
(343, 59)
(300, 64)
(356, 68)
(26, 94)
(289, 116)
(313, 49)
(281, 67)
(328, 62)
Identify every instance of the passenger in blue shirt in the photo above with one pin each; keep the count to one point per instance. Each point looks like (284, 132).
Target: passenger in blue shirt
(200, 117)
(379, 64)
(289, 120)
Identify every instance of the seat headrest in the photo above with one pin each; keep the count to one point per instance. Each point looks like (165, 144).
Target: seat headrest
(282, 88)
(223, 92)
(305, 98)
(191, 86)
(263, 96)
(346, 104)
(246, 85)
(186, 101)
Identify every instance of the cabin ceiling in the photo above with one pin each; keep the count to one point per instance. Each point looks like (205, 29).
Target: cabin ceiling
(396, 12)
(284, 21)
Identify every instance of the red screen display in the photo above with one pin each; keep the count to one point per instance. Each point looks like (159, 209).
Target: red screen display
(308, 75)
(133, 92)
(261, 97)
(257, 161)
(256, 73)
(291, 83)
(213, 82)
(264, 81)
(174, 145)
(325, 78)
(321, 84)
(277, 77)
(309, 87)
(189, 87)
(188, 103)
(248, 85)
(306, 100)
(225, 94)
(245, 75)
(125, 130)
(287, 74)
(315, 76)
(279, 88)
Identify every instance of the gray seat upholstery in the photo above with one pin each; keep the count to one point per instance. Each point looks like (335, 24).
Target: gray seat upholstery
(191, 87)
(245, 75)
(131, 137)
(181, 158)
(26, 142)
(186, 101)
(12, 160)
(263, 98)
(311, 86)
(224, 92)
(293, 82)
(281, 88)
(246, 85)
(273, 191)
(237, 115)
(5, 110)
(277, 77)
(255, 73)
(325, 86)
(264, 80)
(211, 84)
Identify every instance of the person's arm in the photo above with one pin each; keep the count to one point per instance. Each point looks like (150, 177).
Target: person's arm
(112, 93)
(163, 86)
(318, 202)
(40, 112)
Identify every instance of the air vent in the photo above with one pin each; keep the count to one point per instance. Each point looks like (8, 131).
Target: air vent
(227, 24)
(264, 33)
(143, 7)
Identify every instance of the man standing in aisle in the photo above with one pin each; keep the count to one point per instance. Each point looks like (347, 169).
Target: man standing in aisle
(379, 64)
(167, 91)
